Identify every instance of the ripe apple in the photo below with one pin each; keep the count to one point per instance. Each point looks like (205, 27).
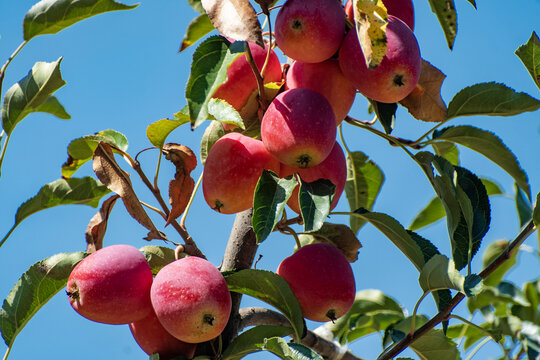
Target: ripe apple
(191, 299)
(111, 285)
(231, 172)
(333, 168)
(397, 74)
(326, 78)
(402, 9)
(299, 128)
(322, 280)
(310, 31)
(153, 338)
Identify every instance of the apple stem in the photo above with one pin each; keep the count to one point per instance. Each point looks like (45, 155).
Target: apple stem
(260, 81)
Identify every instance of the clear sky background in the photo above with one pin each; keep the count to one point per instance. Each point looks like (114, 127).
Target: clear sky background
(123, 72)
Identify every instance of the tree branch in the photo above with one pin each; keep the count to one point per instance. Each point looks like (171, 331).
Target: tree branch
(261, 316)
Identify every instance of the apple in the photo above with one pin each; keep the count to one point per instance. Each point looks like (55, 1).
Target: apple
(299, 128)
(233, 167)
(153, 338)
(333, 168)
(310, 31)
(111, 285)
(397, 74)
(326, 78)
(191, 299)
(402, 9)
(322, 280)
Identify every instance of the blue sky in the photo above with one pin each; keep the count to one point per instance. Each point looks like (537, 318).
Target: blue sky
(123, 72)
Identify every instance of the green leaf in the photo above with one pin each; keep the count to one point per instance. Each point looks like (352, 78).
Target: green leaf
(523, 206)
(273, 290)
(536, 211)
(472, 334)
(197, 28)
(212, 133)
(505, 293)
(433, 212)
(82, 149)
(529, 54)
(493, 251)
(386, 113)
(447, 150)
(290, 351)
(339, 235)
(440, 273)
(271, 195)
(33, 290)
(492, 188)
(30, 93)
(158, 131)
(491, 99)
(315, 200)
(364, 182)
(446, 13)
(208, 71)
(159, 256)
(532, 294)
(84, 191)
(50, 17)
(473, 285)
(52, 106)
(252, 340)
(530, 336)
(196, 5)
(223, 112)
(489, 145)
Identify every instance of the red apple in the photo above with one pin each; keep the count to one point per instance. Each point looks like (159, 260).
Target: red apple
(402, 9)
(153, 338)
(310, 31)
(322, 280)
(112, 285)
(333, 168)
(191, 299)
(231, 172)
(397, 74)
(326, 78)
(299, 128)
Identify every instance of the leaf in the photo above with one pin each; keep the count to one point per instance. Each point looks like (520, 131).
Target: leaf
(364, 182)
(447, 150)
(339, 235)
(491, 253)
(504, 293)
(271, 195)
(446, 13)
(523, 206)
(536, 211)
(83, 191)
(440, 273)
(223, 112)
(315, 200)
(472, 334)
(425, 102)
(252, 340)
(530, 335)
(490, 99)
(529, 54)
(386, 113)
(273, 290)
(196, 5)
(95, 231)
(197, 28)
(159, 256)
(117, 180)
(158, 131)
(212, 133)
(30, 93)
(433, 212)
(235, 19)
(82, 149)
(52, 106)
(290, 350)
(473, 285)
(371, 19)
(492, 188)
(52, 16)
(208, 72)
(33, 290)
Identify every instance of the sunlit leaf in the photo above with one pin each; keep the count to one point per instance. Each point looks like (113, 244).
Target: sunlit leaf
(339, 235)
(371, 18)
(158, 131)
(529, 54)
(159, 256)
(225, 113)
(492, 251)
(252, 340)
(440, 273)
(446, 13)
(211, 134)
(290, 350)
(197, 28)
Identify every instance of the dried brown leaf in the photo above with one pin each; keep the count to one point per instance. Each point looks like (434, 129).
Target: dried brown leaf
(235, 19)
(117, 180)
(97, 226)
(425, 102)
(339, 235)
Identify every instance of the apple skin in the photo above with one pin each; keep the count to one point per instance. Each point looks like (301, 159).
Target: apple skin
(326, 78)
(402, 9)
(152, 337)
(333, 168)
(233, 167)
(310, 31)
(111, 285)
(299, 128)
(191, 299)
(397, 74)
(322, 280)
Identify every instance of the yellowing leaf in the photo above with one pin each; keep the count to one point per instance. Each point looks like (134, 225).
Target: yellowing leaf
(371, 18)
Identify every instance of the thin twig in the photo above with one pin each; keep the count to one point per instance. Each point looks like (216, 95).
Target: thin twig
(260, 81)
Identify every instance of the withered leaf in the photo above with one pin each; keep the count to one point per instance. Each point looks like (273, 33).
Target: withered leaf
(97, 226)
(117, 180)
(371, 18)
(425, 102)
(235, 19)
(181, 187)
(339, 235)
